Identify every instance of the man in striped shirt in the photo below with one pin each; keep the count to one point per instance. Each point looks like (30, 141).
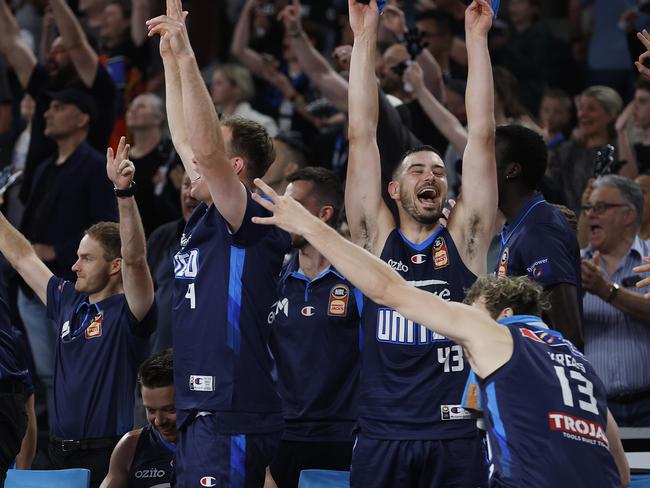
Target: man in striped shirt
(616, 320)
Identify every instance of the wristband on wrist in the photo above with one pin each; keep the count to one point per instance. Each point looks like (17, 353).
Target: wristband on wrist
(125, 192)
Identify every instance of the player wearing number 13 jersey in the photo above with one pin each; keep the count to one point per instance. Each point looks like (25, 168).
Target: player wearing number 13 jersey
(412, 429)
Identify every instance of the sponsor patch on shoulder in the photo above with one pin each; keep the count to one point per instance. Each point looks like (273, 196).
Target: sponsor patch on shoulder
(440, 255)
(503, 263)
(338, 301)
(455, 412)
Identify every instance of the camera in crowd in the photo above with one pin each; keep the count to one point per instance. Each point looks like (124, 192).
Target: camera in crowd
(605, 162)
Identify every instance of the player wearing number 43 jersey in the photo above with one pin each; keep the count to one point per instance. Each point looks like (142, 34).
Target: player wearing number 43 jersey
(412, 429)
(546, 415)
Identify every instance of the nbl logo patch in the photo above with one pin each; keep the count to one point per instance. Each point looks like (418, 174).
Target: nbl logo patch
(95, 328)
(440, 255)
(338, 301)
(503, 263)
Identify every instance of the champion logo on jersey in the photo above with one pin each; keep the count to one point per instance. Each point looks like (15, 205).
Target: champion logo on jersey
(208, 481)
(418, 258)
(440, 255)
(95, 328)
(308, 311)
(338, 301)
(503, 263)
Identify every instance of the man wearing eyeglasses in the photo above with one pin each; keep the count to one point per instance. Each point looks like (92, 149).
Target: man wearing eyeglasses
(616, 321)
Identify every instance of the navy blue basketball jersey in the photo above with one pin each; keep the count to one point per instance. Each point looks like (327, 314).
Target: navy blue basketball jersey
(152, 459)
(225, 284)
(539, 244)
(412, 379)
(99, 349)
(315, 339)
(546, 414)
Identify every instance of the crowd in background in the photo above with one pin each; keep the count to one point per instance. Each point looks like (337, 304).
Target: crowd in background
(71, 85)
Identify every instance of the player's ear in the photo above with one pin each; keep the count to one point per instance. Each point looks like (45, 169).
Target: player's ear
(506, 312)
(116, 266)
(393, 190)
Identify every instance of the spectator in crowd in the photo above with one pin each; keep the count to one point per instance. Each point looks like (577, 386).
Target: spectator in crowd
(616, 326)
(571, 164)
(102, 324)
(290, 156)
(281, 108)
(644, 184)
(228, 411)
(232, 88)
(536, 241)
(124, 53)
(507, 107)
(155, 160)
(71, 63)
(69, 193)
(555, 112)
(315, 322)
(441, 260)
(18, 426)
(437, 29)
(143, 457)
(93, 11)
(162, 245)
(636, 114)
(523, 49)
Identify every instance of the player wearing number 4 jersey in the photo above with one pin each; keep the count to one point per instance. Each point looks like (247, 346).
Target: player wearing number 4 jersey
(546, 415)
(229, 415)
(412, 431)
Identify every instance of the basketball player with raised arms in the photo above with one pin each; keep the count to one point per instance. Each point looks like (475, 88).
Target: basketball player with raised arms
(412, 431)
(546, 413)
(228, 413)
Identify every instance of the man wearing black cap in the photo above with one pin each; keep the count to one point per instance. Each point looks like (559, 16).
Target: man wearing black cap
(70, 192)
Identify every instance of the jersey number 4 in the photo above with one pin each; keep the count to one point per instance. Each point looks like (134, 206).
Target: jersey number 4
(191, 296)
(584, 386)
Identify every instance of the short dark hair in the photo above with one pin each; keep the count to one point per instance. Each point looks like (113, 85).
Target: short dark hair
(108, 236)
(519, 293)
(416, 149)
(251, 142)
(559, 94)
(444, 21)
(157, 371)
(518, 144)
(327, 188)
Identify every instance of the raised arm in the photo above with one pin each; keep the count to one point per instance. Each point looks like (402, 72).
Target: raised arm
(174, 106)
(76, 44)
(472, 221)
(19, 56)
(136, 278)
(140, 13)
(332, 85)
(368, 216)
(448, 125)
(21, 256)
(241, 37)
(490, 345)
(201, 121)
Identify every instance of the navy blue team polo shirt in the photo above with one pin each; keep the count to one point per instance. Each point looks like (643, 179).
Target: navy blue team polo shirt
(540, 244)
(316, 341)
(98, 351)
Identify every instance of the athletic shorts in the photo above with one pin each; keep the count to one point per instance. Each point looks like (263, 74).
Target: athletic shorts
(204, 457)
(453, 463)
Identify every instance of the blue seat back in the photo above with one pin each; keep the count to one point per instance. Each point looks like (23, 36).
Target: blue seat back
(57, 478)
